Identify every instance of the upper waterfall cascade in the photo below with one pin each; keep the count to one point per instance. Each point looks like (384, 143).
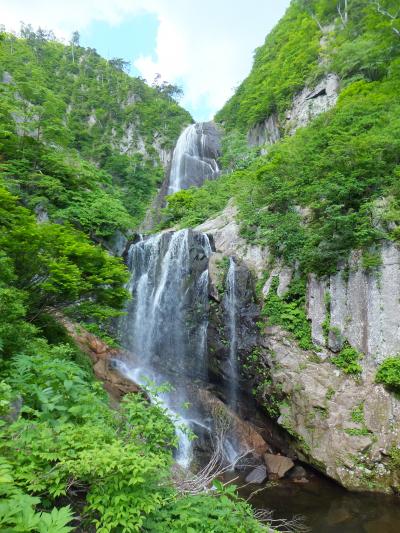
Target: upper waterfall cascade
(195, 157)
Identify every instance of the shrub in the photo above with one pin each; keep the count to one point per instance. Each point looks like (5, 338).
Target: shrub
(388, 373)
(289, 311)
(348, 360)
(219, 513)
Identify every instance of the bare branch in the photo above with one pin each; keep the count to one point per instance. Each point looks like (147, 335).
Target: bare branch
(294, 525)
(387, 14)
(313, 16)
(343, 14)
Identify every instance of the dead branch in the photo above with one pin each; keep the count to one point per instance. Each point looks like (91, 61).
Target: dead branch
(314, 17)
(343, 14)
(387, 14)
(296, 524)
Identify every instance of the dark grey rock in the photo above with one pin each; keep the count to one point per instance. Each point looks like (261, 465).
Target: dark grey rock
(258, 475)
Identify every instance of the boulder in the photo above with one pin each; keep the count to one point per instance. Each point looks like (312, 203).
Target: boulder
(277, 465)
(257, 475)
(298, 474)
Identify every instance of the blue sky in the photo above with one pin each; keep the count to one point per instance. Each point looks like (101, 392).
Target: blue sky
(132, 37)
(206, 47)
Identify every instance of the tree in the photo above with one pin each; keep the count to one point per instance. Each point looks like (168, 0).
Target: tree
(74, 43)
(58, 267)
(120, 64)
(169, 90)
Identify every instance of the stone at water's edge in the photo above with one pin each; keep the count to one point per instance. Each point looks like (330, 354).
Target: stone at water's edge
(258, 475)
(277, 465)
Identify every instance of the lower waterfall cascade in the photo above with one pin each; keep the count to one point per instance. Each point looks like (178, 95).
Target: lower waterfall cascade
(166, 324)
(231, 304)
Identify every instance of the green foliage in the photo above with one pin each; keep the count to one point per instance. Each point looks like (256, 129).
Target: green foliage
(72, 129)
(395, 458)
(289, 311)
(51, 266)
(348, 360)
(236, 153)
(192, 206)
(67, 438)
(371, 260)
(357, 414)
(219, 513)
(388, 373)
(17, 509)
(5, 398)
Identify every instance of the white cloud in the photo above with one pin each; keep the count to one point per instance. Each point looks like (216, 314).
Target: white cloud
(208, 45)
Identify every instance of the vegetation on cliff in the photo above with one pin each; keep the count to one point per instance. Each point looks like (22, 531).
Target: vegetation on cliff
(79, 138)
(333, 185)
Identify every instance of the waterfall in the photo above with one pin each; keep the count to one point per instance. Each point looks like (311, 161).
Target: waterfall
(166, 324)
(195, 157)
(232, 305)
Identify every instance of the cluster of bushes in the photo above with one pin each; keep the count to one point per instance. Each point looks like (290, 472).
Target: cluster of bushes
(68, 460)
(388, 373)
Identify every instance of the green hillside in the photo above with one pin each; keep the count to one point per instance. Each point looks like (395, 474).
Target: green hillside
(78, 135)
(333, 186)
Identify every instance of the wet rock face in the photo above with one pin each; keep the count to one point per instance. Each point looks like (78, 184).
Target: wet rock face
(247, 312)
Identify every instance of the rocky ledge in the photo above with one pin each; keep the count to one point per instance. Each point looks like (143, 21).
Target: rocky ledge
(102, 357)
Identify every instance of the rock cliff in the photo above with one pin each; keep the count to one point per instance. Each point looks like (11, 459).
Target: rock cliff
(345, 426)
(306, 105)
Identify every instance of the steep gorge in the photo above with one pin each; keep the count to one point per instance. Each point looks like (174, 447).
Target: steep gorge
(264, 284)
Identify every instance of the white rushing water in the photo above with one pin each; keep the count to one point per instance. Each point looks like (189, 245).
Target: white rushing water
(232, 308)
(166, 324)
(191, 161)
